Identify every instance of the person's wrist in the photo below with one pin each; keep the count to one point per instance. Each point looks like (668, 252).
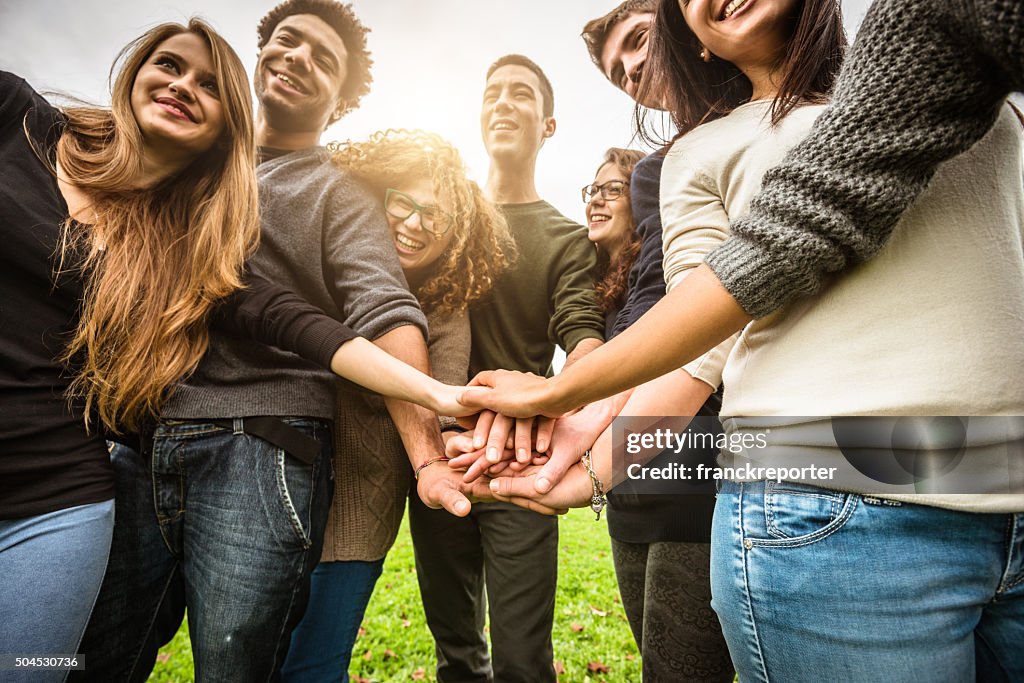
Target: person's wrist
(556, 397)
(418, 472)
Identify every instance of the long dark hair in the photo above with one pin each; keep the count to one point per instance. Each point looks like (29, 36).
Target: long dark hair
(611, 288)
(695, 91)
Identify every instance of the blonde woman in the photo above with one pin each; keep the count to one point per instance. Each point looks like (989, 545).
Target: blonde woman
(451, 243)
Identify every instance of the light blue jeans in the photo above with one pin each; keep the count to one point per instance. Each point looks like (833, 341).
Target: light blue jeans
(322, 643)
(51, 567)
(816, 585)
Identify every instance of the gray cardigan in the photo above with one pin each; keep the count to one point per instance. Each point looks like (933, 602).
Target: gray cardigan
(325, 238)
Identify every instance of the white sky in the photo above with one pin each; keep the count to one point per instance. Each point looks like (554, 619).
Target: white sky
(430, 60)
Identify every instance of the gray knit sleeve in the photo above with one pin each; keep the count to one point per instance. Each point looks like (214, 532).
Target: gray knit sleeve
(923, 82)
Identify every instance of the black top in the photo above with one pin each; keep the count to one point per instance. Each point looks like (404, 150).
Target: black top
(644, 517)
(47, 460)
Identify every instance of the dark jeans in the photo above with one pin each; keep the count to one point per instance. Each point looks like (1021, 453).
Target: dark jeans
(666, 593)
(322, 643)
(237, 530)
(513, 551)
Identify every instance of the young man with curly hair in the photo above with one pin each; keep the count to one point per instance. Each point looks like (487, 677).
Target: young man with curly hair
(239, 468)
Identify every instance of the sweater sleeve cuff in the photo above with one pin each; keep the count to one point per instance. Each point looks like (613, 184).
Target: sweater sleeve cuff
(322, 340)
(574, 337)
(758, 282)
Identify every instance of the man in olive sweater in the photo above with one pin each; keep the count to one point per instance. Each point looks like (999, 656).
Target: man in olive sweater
(547, 298)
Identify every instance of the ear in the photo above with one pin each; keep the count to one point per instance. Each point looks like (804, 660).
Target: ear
(339, 110)
(549, 126)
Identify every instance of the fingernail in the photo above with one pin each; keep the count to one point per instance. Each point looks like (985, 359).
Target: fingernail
(494, 485)
(543, 485)
(478, 442)
(522, 454)
(542, 446)
(492, 454)
(461, 506)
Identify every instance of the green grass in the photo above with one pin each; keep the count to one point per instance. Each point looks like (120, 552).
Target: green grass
(590, 629)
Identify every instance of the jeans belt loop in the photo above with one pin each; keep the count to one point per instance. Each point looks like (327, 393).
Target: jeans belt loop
(238, 425)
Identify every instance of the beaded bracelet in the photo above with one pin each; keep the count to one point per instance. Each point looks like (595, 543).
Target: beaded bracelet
(440, 458)
(598, 500)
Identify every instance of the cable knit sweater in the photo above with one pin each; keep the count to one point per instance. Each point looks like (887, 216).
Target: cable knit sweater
(372, 472)
(923, 82)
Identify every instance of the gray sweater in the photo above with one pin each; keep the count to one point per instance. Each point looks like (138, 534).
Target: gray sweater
(324, 237)
(923, 82)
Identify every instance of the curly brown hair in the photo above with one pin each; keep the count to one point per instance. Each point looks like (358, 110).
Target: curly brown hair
(346, 24)
(611, 288)
(481, 246)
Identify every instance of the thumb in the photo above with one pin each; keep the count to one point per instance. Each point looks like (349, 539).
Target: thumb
(554, 469)
(453, 501)
(477, 398)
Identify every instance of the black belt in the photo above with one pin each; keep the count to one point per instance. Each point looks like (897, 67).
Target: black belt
(276, 431)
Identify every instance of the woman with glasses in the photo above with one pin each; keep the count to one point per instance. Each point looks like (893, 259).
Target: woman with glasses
(660, 541)
(451, 244)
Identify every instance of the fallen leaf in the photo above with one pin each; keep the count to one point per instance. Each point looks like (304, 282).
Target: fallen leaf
(598, 612)
(389, 653)
(368, 655)
(559, 668)
(576, 627)
(419, 674)
(163, 657)
(598, 667)
(388, 586)
(630, 658)
(362, 631)
(406, 623)
(358, 679)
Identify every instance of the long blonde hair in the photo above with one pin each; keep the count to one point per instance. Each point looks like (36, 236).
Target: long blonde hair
(156, 260)
(481, 246)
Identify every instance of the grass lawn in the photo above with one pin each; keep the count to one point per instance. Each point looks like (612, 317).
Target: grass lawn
(591, 637)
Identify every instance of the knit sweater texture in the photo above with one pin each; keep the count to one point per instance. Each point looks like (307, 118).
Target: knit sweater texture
(324, 237)
(371, 469)
(923, 82)
(545, 298)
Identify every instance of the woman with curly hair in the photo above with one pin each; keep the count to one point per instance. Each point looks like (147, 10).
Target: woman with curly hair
(451, 244)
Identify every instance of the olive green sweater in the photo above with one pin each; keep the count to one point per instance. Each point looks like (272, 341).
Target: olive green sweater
(545, 298)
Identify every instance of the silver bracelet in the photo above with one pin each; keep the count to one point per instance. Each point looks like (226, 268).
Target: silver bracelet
(598, 500)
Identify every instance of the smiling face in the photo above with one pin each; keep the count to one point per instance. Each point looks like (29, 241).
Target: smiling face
(748, 33)
(418, 249)
(609, 221)
(175, 98)
(300, 73)
(624, 55)
(512, 120)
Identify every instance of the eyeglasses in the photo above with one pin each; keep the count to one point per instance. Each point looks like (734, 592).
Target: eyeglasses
(401, 206)
(613, 189)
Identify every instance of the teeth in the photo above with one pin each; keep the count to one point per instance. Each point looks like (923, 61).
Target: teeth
(599, 218)
(282, 77)
(407, 242)
(504, 126)
(732, 7)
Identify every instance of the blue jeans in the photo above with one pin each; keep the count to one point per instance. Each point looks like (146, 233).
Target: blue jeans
(51, 566)
(221, 522)
(322, 643)
(813, 584)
